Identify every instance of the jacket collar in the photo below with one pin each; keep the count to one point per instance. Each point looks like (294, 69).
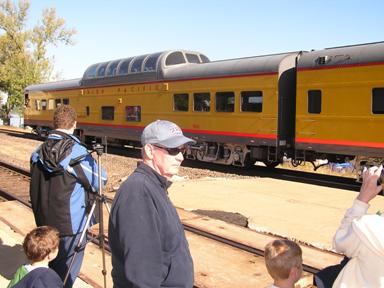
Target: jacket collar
(165, 184)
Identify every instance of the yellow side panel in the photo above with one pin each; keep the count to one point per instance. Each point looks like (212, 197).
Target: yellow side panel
(156, 101)
(346, 111)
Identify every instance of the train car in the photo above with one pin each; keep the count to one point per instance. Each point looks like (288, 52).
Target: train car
(325, 104)
(230, 107)
(340, 104)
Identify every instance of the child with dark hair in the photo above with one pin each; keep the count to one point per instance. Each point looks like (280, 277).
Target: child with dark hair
(40, 246)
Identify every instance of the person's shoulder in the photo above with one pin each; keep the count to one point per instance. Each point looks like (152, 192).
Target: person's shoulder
(371, 222)
(51, 276)
(42, 277)
(137, 185)
(134, 182)
(78, 150)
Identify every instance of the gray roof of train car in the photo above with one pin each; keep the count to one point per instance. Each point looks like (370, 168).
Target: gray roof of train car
(371, 52)
(58, 85)
(239, 66)
(248, 65)
(346, 55)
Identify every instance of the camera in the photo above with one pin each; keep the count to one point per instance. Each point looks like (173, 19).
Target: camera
(98, 148)
(369, 164)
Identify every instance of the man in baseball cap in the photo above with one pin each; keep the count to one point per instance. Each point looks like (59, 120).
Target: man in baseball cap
(147, 239)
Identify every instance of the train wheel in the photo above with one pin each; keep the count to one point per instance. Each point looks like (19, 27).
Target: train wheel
(271, 164)
(248, 162)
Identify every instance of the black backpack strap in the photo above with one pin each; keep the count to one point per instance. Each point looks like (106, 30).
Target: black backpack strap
(82, 178)
(90, 195)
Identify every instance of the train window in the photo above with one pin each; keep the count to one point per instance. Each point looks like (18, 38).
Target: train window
(26, 100)
(111, 68)
(204, 59)
(378, 100)
(57, 102)
(101, 69)
(123, 66)
(107, 112)
(192, 58)
(43, 104)
(175, 58)
(136, 65)
(251, 101)
(91, 71)
(65, 101)
(87, 111)
(51, 104)
(201, 102)
(225, 102)
(38, 105)
(133, 113)
(151, 62)
(180, 102)
(314, 101)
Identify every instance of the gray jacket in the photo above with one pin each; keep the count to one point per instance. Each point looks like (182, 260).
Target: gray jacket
(147, 239)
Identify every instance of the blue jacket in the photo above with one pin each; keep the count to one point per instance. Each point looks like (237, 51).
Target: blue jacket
(63, 178)
(147, 239)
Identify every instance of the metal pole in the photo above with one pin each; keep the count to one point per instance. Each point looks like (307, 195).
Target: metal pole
(101, 220)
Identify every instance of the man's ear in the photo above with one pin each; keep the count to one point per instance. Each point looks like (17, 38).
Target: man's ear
(148, 151)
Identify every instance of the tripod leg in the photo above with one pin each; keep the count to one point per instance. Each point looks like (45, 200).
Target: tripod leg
(79, 243)
(101, 221)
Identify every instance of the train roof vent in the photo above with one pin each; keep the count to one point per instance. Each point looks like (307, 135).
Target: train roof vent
(322, 60)
(336, 59)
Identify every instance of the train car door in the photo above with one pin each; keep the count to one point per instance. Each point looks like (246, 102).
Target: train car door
(286, 103)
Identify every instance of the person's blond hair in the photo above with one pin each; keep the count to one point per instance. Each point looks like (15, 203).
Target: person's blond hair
(280, 256)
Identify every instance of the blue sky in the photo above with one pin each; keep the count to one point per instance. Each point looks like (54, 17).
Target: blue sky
(221, 29)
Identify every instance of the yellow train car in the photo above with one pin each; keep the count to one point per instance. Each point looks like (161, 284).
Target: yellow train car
(230, 107)
(326, 104)
(340, 103)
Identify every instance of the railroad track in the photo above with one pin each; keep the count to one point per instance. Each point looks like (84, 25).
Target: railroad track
(10, 175)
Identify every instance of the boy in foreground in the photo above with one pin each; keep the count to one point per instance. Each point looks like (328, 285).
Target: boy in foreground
(40, 246)
(283, 259)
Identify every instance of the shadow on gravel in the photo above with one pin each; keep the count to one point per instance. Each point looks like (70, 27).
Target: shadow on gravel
(229, 217)
(25, 136)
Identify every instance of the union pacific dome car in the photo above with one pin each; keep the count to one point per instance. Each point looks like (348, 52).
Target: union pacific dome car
(325, 104)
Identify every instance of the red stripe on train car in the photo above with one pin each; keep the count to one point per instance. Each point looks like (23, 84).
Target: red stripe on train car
(341, 142)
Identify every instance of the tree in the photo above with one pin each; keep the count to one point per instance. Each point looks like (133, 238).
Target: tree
(23, 52)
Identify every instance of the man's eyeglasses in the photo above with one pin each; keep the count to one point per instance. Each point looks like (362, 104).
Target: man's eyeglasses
(173, 151)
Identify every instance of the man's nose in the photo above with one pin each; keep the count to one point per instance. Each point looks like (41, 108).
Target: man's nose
(180, 156)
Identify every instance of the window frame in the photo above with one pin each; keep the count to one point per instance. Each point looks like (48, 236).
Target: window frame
(258, 106)
(314, 101)
(377, 92)
(185, 102)
(202, 104)
(132, 113)
(219, 102)
(108, 115)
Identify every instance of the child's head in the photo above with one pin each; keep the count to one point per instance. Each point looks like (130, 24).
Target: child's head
(40, 243)
(283, 259)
